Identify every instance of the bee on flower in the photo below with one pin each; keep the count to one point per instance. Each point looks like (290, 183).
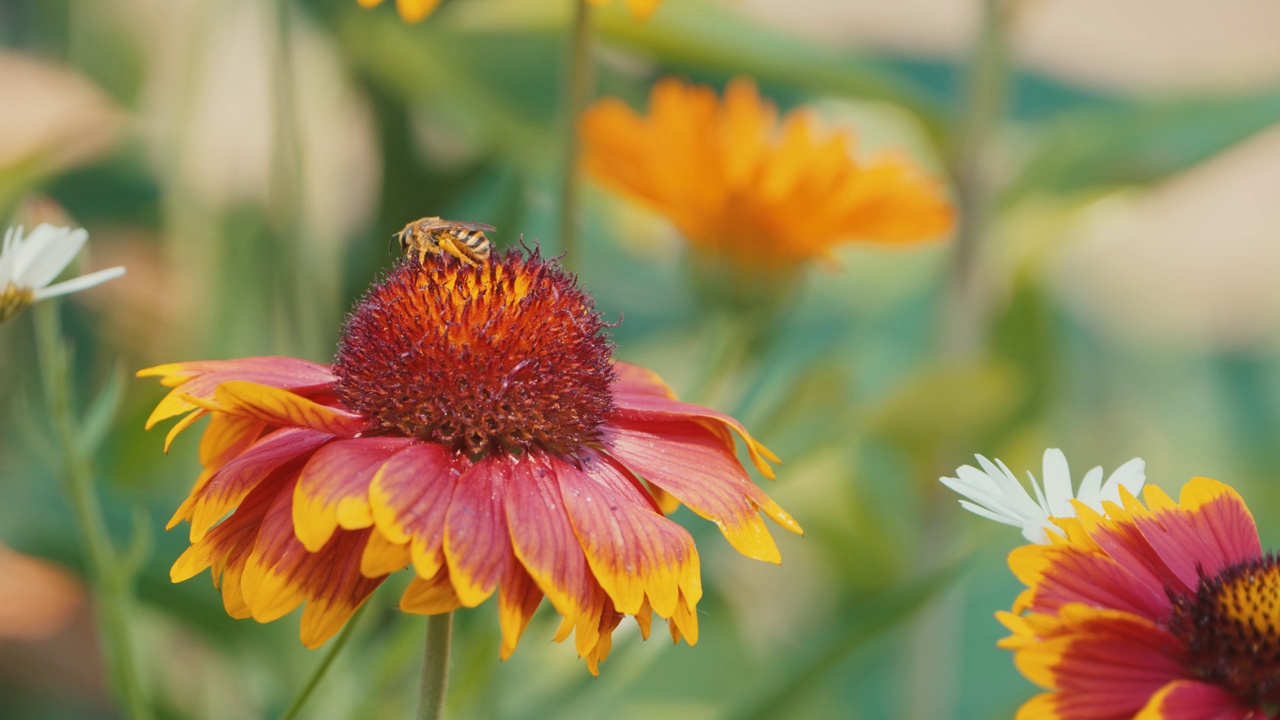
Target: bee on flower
(475, 428)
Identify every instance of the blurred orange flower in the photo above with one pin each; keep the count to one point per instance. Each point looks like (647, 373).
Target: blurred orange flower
(742, 188)
(417, 10)
(36, 598)
(474, 426)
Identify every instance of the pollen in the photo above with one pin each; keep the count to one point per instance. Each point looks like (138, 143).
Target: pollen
(13, 299)
(503, 357)
(1231, 628)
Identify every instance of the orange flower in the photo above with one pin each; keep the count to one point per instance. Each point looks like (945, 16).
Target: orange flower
(740, 188)
(474, 426)
(417, 10)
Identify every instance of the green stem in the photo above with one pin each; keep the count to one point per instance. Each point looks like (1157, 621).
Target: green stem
(435, 667)
(111, 582)
(985, 104)
(304, 300)
(576, 93)
(318, 674)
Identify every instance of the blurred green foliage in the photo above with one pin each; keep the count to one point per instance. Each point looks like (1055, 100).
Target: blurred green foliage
(883, 610)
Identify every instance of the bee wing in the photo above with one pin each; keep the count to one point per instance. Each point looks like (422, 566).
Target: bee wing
(477, 226)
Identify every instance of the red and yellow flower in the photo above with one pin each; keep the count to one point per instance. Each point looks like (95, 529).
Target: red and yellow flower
(1168, 610)
(475, 427)
(742, 188)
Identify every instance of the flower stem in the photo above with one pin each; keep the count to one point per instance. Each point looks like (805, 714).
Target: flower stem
(318, 674)
(110, 581)
(576, 93)
(985, 103)
(435, 667)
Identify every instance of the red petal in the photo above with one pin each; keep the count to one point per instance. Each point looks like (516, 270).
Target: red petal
(476, 543)
(1194, 700)
(432, 596)
(690, 462)
(410, 498)
(283, 408)
(545, 543)
(634, 552)
(518, 598)
(1062, 573)
(1208, 530)
(638, 410)
(226, 437)
(1104, 663)
(333, 489)
(636, 380)
(200, 379)
(280, 574)
(282, 451)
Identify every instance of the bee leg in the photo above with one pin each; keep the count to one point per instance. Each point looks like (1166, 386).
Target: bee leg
(453, 250)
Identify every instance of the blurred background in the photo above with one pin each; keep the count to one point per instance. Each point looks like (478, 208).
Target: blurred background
(1111, 291)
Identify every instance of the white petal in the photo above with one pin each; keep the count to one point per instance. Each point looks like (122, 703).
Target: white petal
(49, 250)
(81, 283)
(1036, 533)
(1131, 476)
(979, 510)
(1057, 483)
(995, 493)
(8, 259)
(1090, 486)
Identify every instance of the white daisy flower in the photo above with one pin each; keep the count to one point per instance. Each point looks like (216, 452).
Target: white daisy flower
(997, 495)
(28, 264)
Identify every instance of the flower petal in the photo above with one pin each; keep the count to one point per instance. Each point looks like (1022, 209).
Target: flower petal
(279, 454)
(431, 596)
(48, 251)
(75, 285)
(280, 574)
(285, 408)
(410, 497)
(1103, 663)
(1209, 529)
(1195, 700)
(201, 378)
(637, 409)
(637, 380)
(544, 542)
(635, 553)
(477, 545)
(518, 598)
(689, 461)
(333, 489)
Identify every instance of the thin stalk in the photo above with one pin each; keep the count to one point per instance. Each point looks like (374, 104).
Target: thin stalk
(988, 81)
(932, 653)
(577, 91)
(435, 667)
(296, 278)
(318, 674)
(110, 581)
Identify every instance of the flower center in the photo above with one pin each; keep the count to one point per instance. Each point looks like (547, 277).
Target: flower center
(502, 357)
(13, 299)
(1231, 627)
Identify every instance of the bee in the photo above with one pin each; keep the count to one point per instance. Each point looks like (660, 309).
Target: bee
(432, 235)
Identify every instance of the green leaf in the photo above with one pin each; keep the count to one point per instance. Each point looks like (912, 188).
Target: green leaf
(1140, 143)
(865, 620)
(97, 421)
(947, 406)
